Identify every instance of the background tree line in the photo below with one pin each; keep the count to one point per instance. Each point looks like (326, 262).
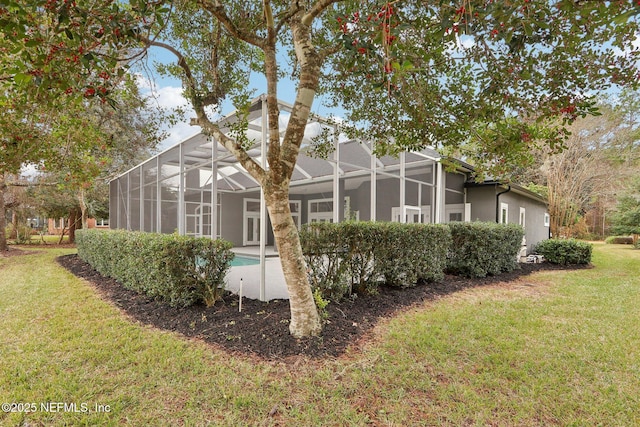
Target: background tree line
(590, 183)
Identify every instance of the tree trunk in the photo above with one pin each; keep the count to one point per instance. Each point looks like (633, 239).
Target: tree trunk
(14, 225)
(72, 225)
(305, 320)
(83, 208)
(63, 230)
(3, 215)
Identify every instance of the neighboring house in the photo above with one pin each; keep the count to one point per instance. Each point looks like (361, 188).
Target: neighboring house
(173, 191)
(56, 226)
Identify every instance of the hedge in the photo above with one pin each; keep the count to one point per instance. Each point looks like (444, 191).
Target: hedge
(565, 251)
(177, 269)
(479, 249)
(619, 240)
(353, 257)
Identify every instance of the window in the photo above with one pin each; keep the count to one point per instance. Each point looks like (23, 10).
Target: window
(454, 212)
(321, 210)
(547, 219)
(504, 213)
(522, 220)
(294, 206)
(455, 216)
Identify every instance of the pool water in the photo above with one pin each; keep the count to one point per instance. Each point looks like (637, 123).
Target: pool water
(240, 261)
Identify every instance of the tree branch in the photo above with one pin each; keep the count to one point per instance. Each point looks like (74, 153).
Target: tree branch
(203, 121)
(191, 86)
(316, 10)
(217, 9)
(271, 73)
(328, 51)
(310, 64)
(293, 9)
(250, 165)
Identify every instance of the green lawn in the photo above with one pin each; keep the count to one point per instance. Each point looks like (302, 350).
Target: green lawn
(560, 348)
(37, 239)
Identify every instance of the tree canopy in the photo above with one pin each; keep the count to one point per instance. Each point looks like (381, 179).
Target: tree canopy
(626, 219)
(485, 80)
(481, 79)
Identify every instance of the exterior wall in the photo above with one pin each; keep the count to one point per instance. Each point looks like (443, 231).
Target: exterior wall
(54, 225)
(483, 208)
(535, 231)
(387, 197)
(361, 200)
(232, 217)
(483, 203)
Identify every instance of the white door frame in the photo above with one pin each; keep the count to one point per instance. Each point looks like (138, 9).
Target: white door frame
(255, 216)
(199, 219)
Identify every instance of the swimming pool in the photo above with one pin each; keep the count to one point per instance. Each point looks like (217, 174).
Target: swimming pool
(241, 261)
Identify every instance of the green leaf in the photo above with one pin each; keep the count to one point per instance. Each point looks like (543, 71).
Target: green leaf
(542, 24)
(22, 79)
(32, 43)
(623, 18)
(407, 65)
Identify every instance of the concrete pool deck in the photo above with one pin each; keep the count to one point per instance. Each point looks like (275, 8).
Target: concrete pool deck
(275, 286)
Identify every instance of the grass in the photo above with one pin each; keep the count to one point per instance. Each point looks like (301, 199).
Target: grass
(556, 348)
(46, 239)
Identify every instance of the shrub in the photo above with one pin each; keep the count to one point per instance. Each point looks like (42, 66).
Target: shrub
(565, 251)
(479, 249)
(323, 250)
(407, 253)
(23, 234)
(357, 256)
(177, 269)
(619, 240)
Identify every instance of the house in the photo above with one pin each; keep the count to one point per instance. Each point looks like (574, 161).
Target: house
(56, 226)
(510, 203)
(198, 188)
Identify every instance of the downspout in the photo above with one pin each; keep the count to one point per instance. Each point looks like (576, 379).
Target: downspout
(498, 202)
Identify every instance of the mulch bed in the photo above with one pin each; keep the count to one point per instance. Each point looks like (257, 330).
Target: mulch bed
(262, 328)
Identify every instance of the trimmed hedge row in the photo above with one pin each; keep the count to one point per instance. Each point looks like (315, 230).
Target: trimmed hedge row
(619, 240)
(358, 256)
(479, 249)
(177, 269)
(565, 251)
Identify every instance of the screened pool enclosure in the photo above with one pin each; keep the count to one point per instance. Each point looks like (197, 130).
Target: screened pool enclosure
(198, 188)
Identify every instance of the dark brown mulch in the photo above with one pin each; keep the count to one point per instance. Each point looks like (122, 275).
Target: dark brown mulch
(262, 328)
